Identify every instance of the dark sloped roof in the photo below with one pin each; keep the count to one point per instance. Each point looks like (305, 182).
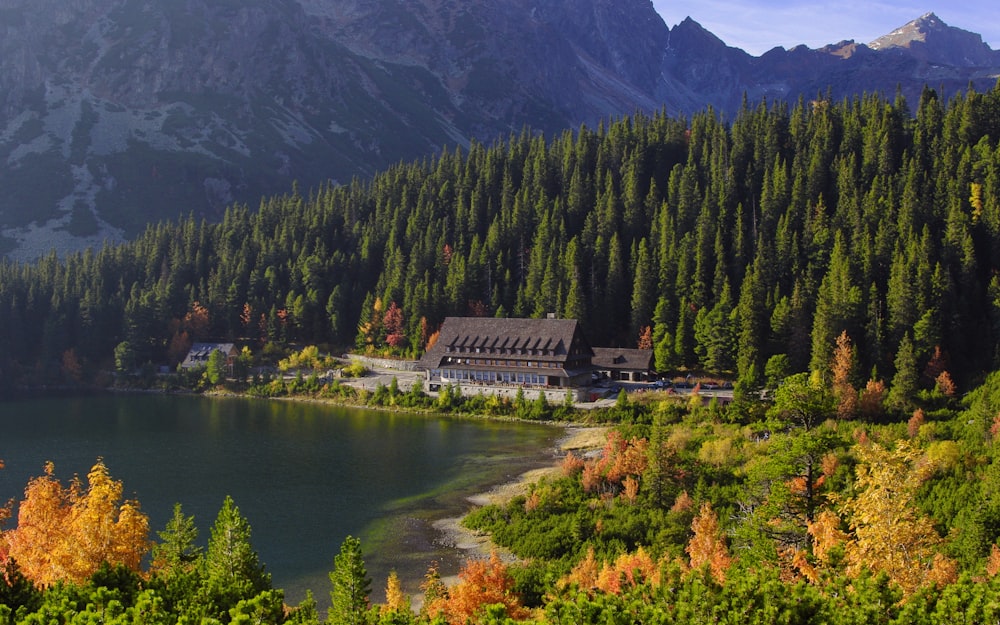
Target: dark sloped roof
(542, 339)
(619, 358)
(199, 352)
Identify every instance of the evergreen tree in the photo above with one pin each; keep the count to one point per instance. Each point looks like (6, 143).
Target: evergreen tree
(233, 571)
(351, 586)
(177, 550)
(906, 380)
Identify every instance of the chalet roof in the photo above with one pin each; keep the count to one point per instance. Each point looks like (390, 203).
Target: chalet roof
(199, 352)
(620, 358)
(539, 339)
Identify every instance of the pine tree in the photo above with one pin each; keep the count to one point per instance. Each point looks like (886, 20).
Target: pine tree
(233, 571)
(351, 586)
(906, 380)
(176, 551)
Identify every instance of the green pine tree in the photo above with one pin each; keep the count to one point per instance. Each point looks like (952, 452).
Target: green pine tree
(351, 586)
(233, 570)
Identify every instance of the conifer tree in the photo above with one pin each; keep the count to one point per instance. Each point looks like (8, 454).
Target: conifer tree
(233, 570)
(906, 380)
(351, 586)
(176, 552)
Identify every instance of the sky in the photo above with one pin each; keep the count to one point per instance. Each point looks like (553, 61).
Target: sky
(756, 26)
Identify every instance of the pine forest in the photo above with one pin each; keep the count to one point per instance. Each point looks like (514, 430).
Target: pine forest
(838, 261)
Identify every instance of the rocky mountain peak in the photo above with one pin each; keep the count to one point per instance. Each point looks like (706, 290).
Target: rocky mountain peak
(929, 39)
(117, 113)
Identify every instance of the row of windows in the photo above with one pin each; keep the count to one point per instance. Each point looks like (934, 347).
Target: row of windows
(490, 377)
(489, 362)
(503, 350)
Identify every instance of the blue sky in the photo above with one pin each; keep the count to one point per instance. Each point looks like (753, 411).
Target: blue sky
(759, 25)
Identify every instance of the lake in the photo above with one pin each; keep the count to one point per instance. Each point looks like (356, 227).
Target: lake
(305, 475)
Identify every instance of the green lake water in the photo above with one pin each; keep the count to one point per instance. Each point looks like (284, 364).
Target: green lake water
(305, 475)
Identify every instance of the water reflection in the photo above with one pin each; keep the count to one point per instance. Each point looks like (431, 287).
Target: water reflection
(305, 475)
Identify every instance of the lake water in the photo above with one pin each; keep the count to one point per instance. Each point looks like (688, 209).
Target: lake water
(305, 475)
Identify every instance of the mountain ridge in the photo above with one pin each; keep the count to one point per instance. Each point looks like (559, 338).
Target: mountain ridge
(118, 113)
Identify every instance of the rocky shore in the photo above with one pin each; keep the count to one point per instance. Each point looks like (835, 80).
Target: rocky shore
(580, 440)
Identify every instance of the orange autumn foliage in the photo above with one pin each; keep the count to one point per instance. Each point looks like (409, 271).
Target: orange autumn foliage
(631, 489)
(842, 368)
(943, 571)
(645, 338)
(945, 385)
(826, 534)
(801, 563)
(917, 420)
(993, 562)
(682, 503)
(585, 573)
(481, 583)
(708, 547)
(627, 571)
(871, 403)
(432, 340)
(67, 533)
(572, 465)
(396, 601)
(619, 459)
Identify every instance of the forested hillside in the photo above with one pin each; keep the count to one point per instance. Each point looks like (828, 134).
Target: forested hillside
(743, 246)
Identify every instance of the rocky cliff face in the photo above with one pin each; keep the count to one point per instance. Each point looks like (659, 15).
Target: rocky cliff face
(116, 113)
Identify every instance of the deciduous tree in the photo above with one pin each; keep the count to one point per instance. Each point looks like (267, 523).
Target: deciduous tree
(889, 532)
(707, 546)
(481, 583)
(842, 368)
(67, 533)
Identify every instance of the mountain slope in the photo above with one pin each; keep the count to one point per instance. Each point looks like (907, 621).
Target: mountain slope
(117, 113)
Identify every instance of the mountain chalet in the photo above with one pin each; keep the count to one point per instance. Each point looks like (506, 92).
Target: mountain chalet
(507, 354)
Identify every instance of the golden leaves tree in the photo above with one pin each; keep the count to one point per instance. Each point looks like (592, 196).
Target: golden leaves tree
(67, 533)
(890, 534)
(396, 601)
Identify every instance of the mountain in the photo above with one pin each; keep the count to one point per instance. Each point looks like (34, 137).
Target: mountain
(118, 113)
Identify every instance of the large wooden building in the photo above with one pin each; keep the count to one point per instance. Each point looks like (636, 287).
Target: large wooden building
(529, 353)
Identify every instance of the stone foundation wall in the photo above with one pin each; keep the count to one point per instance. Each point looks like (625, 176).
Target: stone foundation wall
(383, 363)
(552, 395)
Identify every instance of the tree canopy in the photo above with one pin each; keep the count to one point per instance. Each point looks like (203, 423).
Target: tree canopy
(733, 242)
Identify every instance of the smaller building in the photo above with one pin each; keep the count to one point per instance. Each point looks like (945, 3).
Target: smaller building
(199, 353)
(626, 365)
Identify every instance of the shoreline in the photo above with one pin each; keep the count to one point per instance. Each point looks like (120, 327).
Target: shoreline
(447, 532)
(478, 545)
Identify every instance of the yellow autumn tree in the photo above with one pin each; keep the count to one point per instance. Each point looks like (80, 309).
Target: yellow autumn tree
(889, 533)
(67, 533)
(396, 601)
(41, 522)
